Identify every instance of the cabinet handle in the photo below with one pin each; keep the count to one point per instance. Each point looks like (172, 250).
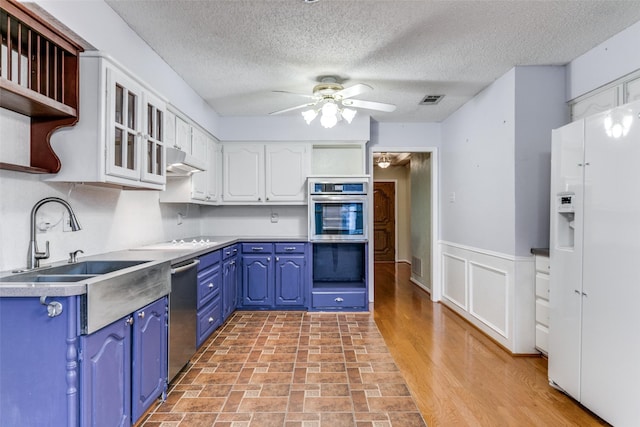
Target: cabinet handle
(257, 248)
(290, 248)
(277, 259)
(233, 262)
(211, 319)
(140, 315)
(268, 258)
(210, 285)
(338, 299)
(235, 251)
(129, 321)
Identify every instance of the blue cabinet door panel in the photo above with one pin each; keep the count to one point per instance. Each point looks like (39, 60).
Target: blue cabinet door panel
(257, 281)
(149, 369)
(290, 280)
(105, 369)
(229, 287)
(38, 363)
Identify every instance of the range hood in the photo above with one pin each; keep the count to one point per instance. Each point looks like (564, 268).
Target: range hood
(181, 163)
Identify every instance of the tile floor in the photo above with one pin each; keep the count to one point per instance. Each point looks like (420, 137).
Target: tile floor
(290, 369)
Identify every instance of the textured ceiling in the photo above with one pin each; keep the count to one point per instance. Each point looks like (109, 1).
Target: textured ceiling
(235, 53)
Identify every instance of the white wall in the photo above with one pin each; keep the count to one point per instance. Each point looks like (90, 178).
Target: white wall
(111, 219)
(539, 108)
(421, 219)
(605, 63)
(405, 134)
(248, 221)
(477, 169)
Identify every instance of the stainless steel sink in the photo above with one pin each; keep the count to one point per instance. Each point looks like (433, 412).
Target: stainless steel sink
(47, 278)
(91, 267)
(108, 297)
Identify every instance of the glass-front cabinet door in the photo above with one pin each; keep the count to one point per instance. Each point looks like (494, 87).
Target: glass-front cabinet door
(123, 126)
(135, 147)
(153, 169)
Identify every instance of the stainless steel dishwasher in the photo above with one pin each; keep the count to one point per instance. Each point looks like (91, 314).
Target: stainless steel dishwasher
(182, 315)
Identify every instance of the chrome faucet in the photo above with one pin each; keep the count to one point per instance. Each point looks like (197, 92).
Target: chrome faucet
(34, 255)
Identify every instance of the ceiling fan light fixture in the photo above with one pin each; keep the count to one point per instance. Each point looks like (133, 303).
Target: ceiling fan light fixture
(309, 115)
(348, 114)
(384, 161)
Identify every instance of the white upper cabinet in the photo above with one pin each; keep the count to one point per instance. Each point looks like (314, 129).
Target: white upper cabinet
(213, 171)
(199, 187)
(287, 167)
(259, 173)
(204, 148)
(243, 172)
(182, 140)
(153, 143)
(119, 138)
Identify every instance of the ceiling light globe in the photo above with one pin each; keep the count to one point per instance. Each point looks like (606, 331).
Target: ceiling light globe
(348, 114)
(309, 115)
(329, 108)
(328, 121)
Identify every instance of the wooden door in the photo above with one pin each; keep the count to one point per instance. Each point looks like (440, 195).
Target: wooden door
(384, 221)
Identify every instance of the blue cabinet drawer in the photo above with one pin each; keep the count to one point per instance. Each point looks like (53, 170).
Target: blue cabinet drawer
(209, 318)
(209, 284)
(229, 251)
(257, 248)
(331, 299)
(209, 259)
(290, 248)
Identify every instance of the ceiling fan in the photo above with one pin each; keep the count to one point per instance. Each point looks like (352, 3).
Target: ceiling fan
(334, 103)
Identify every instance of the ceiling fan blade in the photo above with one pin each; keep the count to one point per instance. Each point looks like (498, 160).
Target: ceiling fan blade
(354, 90)
(370, 105)
(297, 107)
(306, 95)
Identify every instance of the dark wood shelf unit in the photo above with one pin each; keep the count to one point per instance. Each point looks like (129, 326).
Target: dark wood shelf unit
(39, 78)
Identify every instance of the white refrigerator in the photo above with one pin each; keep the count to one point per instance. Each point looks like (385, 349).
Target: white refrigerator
(594, 330)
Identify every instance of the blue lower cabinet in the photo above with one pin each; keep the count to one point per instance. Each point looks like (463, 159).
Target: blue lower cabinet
(149, 364)
(39, 381)
(209, 318)
(257, 280)
(123, 367)
(106, 376)
(332, 299)
(209, 307)
(51, 376)
(274, 276)
(291, 279)
(229, 283)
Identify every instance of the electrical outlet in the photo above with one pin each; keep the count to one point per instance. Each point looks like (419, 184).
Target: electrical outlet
(274, 217)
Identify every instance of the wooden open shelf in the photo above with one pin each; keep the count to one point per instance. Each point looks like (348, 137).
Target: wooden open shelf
(39, 79)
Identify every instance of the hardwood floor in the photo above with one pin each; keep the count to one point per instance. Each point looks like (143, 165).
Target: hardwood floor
(457, 375)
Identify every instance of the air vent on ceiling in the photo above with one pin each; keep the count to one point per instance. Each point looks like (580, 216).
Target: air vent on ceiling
(431, 99)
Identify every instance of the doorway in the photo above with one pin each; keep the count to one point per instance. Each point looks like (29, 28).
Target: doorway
(416, 212)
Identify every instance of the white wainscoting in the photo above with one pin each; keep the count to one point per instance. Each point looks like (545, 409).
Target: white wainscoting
(493, 291)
